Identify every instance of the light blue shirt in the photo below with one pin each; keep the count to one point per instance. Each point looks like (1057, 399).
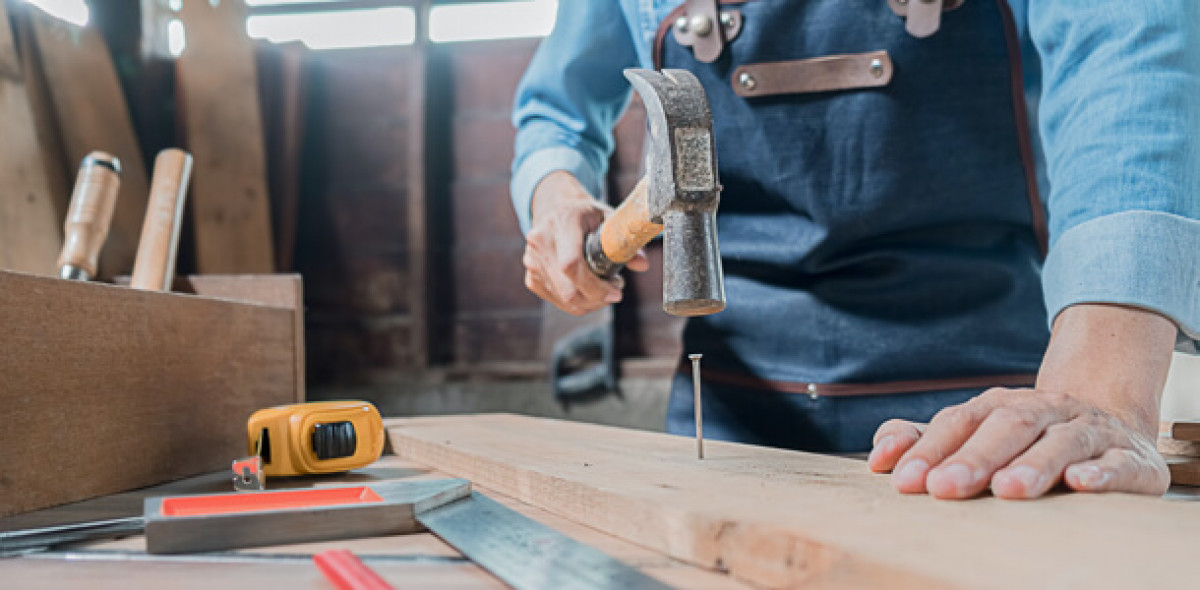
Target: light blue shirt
(1113, 88)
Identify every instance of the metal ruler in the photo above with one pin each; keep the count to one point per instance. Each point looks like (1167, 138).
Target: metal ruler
(13, 543)
(524, 553)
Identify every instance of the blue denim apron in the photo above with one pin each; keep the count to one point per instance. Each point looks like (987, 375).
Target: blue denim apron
(881, 245)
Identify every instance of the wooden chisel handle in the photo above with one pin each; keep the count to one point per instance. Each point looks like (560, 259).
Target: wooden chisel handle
(625, 232)
(154, 268)
(89, 215)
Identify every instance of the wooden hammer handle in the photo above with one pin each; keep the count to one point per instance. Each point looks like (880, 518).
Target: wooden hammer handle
(89, 215)
(628, 229)
(154, 268)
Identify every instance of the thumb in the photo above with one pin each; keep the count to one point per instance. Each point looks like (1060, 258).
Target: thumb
(639, 262)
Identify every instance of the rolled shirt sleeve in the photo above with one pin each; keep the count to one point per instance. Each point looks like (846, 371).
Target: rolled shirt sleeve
(570, 98)
(1120, 122)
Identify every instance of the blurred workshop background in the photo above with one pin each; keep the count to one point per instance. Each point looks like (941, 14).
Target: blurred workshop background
(378, 136)
(365, 144)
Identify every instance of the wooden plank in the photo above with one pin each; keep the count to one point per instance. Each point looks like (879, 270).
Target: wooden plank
(1170, 446)
(1180, 430)
(1185, 470)
(283, 89)
(30, 232)
(223, 125)
(107, 388)
(91, 114)
(10, 63)
(781, 519)
(417, 230)
(59, 180)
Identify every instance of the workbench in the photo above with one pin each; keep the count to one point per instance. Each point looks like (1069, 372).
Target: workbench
(743, 517)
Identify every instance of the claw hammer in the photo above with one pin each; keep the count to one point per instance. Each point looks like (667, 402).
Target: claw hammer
(678, 197)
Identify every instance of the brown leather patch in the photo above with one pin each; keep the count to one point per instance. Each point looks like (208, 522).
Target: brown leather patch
(700, 28)
(820, 74)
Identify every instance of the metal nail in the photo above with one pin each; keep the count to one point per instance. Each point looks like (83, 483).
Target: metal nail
(877, 67)
(696, 404)
(681, 24)
(727, 20)
(812, 391)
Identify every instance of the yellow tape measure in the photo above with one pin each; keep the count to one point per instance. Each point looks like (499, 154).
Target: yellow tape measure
(302, 439)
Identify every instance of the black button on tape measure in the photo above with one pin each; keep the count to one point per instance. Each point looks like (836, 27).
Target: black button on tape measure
(334, 440)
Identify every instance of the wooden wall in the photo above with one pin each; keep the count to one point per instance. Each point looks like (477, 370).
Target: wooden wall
(352, 245)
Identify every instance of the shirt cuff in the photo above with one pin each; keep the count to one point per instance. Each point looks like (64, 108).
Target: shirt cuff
(534, 167)
(1143, 259)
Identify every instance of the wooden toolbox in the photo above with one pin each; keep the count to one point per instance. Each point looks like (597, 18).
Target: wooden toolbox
(105, 388)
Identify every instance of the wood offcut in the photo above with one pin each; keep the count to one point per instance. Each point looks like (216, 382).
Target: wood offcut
(30, 235)
(223, 126)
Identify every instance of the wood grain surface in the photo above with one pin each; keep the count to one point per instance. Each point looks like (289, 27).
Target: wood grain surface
(107, 388)
(1180, 430)
(782, 519)
(154, 267)
(30, 234)
(223, 126)
(285, 291)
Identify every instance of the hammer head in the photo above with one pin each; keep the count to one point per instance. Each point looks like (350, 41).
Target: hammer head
(681, 167)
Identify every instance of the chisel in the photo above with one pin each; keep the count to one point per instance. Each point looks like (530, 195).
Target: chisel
(154, 268)
(89, 216)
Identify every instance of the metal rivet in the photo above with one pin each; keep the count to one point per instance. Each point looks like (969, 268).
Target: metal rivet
(812, 390)
(681, 24)
(727, 20)
(747, 81)
(877, 68)
(701, 25)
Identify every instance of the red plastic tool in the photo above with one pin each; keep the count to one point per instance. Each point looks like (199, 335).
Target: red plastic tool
(348, 572)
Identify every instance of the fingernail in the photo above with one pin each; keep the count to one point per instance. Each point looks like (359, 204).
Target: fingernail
(1089, 476)
(911, 473)
(884, 445)
(614, 297)
(1027, 477)
(955, 474)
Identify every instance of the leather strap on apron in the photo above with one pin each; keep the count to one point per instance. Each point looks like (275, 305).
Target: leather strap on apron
(703, 26)
(700, 27)
(820, 74)
(815, 390)
(924, 16)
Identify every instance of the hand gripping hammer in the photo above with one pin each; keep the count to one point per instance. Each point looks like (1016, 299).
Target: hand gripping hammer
(678, 197)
